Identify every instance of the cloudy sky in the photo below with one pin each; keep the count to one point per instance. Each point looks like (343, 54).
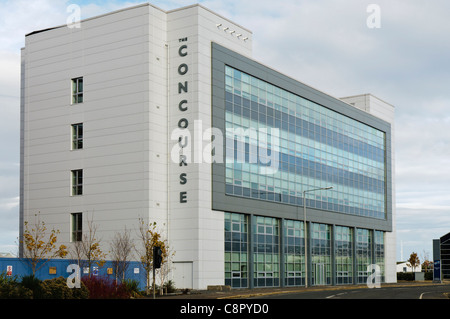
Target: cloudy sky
(326, 44)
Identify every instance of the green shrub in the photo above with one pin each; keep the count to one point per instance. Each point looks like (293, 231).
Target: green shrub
(34, 284)
(408, 276)
(15, 291)
(31, 287)
(10, 288)
(57, 288)
(132, 286)
(4, 280)
(169, 287)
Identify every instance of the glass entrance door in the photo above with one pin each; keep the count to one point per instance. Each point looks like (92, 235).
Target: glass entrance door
(319, 274)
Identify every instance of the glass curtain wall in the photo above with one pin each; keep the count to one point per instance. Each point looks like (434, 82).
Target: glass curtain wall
(354, 250)
(317, 146)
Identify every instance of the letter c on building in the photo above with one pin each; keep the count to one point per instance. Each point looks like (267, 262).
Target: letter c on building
(180, 50)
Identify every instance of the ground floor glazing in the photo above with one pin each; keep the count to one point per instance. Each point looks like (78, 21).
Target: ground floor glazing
(270, 252)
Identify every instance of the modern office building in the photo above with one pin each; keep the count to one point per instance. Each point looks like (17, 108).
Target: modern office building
(441, 257)
(256, 179)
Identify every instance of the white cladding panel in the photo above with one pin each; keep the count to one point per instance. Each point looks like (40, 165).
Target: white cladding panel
(196, 231)
(112, 54)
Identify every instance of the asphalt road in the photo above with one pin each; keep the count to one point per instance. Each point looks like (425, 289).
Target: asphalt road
(432, 291)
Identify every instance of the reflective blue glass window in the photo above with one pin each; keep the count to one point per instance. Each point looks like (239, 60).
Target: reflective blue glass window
(279, 144)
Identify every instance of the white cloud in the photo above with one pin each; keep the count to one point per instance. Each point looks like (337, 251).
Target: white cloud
(9, 224)
(20, 17)
(10, 75)
(101, 7)
(9, 203)
(418, 225)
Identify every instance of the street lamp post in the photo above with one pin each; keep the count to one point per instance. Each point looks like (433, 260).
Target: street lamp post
(305, 231)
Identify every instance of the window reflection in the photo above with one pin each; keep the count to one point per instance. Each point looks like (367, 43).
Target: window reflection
(317, 146)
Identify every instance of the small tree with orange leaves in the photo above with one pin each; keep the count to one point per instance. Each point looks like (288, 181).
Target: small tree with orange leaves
(413, 261)
(149, 237)
(38, 247)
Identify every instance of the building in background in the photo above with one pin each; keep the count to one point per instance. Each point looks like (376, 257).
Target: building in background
(441, 258)
(164, 116)
(404, 266)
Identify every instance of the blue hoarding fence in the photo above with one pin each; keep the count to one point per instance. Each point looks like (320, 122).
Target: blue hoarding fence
(55, 268)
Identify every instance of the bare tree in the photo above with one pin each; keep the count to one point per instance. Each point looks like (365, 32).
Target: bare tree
(167, 255)
(87, 251)
(121, 250)
(426, 262)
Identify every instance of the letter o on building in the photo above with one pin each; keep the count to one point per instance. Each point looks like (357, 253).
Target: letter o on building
(183, 123)
(183, 69)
